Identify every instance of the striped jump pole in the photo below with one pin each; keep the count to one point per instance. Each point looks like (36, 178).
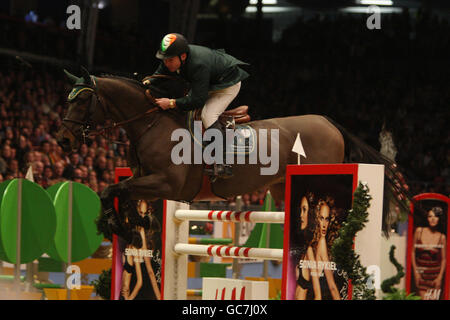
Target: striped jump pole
(176, 247)
(231, 216)
(229, 251)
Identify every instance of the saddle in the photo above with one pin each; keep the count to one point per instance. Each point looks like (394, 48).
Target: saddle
(229, 118)
(239, 115)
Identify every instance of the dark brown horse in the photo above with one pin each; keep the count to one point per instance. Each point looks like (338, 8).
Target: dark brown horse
(155, 176)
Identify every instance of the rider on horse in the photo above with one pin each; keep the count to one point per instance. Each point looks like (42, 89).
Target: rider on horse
(214, 77)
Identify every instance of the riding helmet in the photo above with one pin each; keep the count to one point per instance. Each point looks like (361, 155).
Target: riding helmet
(172, 45)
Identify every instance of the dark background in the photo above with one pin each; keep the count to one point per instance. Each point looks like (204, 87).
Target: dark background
(311, 58)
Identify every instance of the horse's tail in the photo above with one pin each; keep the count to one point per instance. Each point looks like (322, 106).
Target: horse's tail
(396, 192)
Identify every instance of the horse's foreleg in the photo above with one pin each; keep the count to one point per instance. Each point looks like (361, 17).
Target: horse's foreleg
(114, 222)
(109, 193)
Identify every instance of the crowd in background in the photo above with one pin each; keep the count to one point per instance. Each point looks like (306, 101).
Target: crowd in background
(32, 103)
(396, 76)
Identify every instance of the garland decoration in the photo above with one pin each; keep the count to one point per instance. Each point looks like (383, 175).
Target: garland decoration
(342, 249)
(387, 286)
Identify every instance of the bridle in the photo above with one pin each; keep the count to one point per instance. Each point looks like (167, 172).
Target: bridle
(85, 125)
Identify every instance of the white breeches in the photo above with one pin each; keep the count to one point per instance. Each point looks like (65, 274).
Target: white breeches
(217, 102)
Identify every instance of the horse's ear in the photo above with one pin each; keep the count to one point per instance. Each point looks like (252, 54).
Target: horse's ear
(86, 75)
(71, 77)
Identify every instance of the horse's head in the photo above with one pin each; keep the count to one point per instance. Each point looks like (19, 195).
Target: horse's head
(83, 113)
(88, 108)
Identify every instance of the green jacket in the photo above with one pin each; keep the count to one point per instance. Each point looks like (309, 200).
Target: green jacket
(205, 70)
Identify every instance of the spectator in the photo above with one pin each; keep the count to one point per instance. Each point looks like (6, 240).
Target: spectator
(13, 168)
(100, 166)
(55, 153)
(84, 151)
(89, 163)
(3, 165)
(22, 149)
(58, 173)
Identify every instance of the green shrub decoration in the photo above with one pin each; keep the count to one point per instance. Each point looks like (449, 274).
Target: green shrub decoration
(342, 249)
(102, 286)
(387, 286)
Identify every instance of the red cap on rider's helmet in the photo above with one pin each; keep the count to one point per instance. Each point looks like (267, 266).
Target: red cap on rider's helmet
(172, 45)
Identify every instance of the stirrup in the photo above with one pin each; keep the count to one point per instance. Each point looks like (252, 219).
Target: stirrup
(223, 171)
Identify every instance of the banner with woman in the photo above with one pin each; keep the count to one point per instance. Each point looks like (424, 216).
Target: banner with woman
(137, 254)
(428, 247)
(318, 198)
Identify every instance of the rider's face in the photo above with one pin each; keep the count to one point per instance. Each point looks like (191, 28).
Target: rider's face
(174, 63)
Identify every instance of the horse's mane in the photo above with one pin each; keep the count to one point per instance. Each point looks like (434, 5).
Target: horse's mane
(166, 88)
(137, 84)
(169, 88)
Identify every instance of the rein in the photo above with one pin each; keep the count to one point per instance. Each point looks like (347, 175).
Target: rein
(85, 126)
(103, 130)
(121, 123)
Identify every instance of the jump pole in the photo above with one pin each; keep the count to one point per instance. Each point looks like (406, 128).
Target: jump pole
(231, 216)
(176, 249)
(174, 264)
(235, 267)
(229, 251)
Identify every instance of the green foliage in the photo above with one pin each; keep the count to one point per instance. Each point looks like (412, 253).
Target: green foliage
(102, 286)
(342, 249)
(278, 296)
(103, 226)
(400, 295)
(387, 286)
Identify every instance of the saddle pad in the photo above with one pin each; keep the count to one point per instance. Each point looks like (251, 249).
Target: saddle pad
(244, 137)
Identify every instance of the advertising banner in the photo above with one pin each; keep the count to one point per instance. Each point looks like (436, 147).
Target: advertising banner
(137, 254)
(428, 245)
(317, 202)
(320, 197)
